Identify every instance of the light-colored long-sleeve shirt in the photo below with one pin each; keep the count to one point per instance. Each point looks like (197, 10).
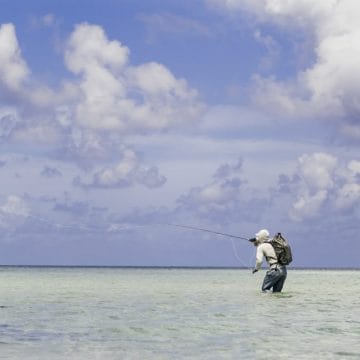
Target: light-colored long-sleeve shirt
(265, 249)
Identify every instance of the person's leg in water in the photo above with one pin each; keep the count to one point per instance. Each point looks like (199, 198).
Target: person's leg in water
(280, 283)
(271, 279)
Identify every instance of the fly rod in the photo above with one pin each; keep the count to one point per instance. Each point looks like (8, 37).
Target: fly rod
(209, 231)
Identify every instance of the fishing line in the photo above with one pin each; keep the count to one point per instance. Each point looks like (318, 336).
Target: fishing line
(236, 253)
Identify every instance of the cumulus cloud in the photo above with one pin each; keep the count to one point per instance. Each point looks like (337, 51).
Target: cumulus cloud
(348, 195)
(85, 147)
(116, 95)
(317, 170)
(9, 122)
(322, 184)
(225, 198)
(13, 212)
(99, 61)
(329, 87)
(307, 205)
(127, 172)
(13, 69)
(14, 205)
(86, 117)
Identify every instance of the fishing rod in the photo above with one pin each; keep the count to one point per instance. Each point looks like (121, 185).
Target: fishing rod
(209, 231)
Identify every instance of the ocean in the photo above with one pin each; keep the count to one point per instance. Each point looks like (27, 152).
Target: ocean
(170, 313)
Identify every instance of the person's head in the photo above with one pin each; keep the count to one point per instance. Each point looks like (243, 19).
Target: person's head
(260, 237)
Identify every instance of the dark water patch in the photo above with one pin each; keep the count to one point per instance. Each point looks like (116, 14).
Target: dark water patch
(114, 317)
(220, 315)
(330, 330)
(346, 353)
(138, 329)
(4, 328)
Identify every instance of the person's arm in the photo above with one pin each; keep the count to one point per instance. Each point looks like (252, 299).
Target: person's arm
(259, 258)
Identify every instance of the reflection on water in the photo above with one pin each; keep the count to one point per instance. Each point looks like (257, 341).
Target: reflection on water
(98, 313)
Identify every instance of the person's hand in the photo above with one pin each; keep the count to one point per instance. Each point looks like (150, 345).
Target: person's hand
(254, 271)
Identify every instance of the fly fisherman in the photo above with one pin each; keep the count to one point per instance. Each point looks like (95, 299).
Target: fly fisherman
(276, 275)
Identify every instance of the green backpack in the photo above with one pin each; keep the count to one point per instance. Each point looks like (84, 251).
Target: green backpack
(282, 249)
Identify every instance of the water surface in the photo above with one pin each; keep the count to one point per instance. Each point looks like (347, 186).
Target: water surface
(120, 313)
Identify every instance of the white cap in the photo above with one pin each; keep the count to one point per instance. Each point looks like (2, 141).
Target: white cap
(262, 236)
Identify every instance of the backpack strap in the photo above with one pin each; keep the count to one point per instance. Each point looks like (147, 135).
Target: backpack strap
(268, 258)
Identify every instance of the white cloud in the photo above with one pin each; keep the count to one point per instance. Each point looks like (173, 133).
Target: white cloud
(9, 122)
(324, 185)
(86, 144)
(13, 69)
(347, 196)
(121, 174)
(307, 206)
(106, 97)
(14, 205)
(354, 167)
(98, 61)
(13, 212)
(317, 170)
(116, 95)
(150, 177)
(89, 49)
(84, 120)
(222, 195)
(127, 172)
(301, 12)
(330, 86)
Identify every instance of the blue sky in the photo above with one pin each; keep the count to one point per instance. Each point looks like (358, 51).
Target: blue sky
(117, 117)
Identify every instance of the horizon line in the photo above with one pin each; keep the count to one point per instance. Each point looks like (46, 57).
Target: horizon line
(194, 267)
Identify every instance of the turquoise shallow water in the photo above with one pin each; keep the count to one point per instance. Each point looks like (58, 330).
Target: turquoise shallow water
(114, 313)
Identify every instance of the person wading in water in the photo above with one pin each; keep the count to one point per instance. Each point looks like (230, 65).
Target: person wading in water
(276, 275)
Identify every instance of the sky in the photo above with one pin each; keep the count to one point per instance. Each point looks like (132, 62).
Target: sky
(119, 117)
